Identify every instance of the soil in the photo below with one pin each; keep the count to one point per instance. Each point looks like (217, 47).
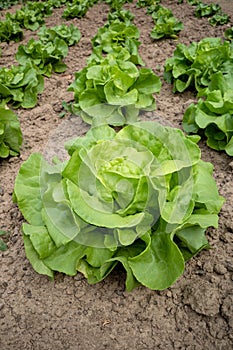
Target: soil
(196, 313)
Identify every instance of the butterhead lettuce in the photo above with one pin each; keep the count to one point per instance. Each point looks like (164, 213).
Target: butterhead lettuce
(141, 197)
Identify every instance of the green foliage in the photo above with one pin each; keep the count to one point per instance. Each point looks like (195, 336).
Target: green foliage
(20, 85)
(141, 197)
(10, 134)
(146, 3)
(192, 66)
(43, 8)
(213, 11)
(117, 4)
(166, 25)
(121, 16)
(78, 8)
(45, 56)
(56, 3)
(70, 34)
(228, 34)
(10, 30)
(114, 37)
(193, 2)
(27, 18)
(3, 245)
(219, 19)
(214, 113)
(113, 90)
(5, 4)
(206, 10)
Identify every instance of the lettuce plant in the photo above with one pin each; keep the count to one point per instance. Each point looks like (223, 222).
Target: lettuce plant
(10, 133)
(219, 19)
(141, 197)
(43, 7)
(214, 113)
(56, 3)
(228, 34)
(121, 15)
(113, 90)
(146, 3)
(117, 35)
(192, 66)
(193, 2)
(5, 4)
(117, 4)
(166, 25)
(26, 18)
(10, 30)
(78, 8)
(20, 85)
(206, 10)
(45, 56)
(70, 34)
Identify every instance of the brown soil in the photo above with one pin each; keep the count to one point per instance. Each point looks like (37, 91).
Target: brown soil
(196, 313)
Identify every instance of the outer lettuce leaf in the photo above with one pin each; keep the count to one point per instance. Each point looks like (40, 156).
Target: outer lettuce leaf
(160, 264)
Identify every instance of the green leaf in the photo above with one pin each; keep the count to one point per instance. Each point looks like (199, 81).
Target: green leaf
(66, 258)
(30, 183)
(40, 239)
(37, 264)
(160, 264)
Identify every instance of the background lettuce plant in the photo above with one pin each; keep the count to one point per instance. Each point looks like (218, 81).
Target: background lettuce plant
(120, 15)
(20, 85)
(46, 57)
(9, 30)
(228, 34)
(166, 25)
(141, 197)
(113, 90)
(206, 10)
(77, 8)
(214, 113)
(219, 19)
(192, 66)
(27, 18)
(114, 37)
(70, 34)
(10, 133)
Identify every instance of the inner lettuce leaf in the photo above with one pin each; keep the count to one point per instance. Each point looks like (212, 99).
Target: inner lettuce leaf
(141, 197)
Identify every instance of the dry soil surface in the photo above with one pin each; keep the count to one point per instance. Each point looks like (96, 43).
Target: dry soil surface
(196, 313)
